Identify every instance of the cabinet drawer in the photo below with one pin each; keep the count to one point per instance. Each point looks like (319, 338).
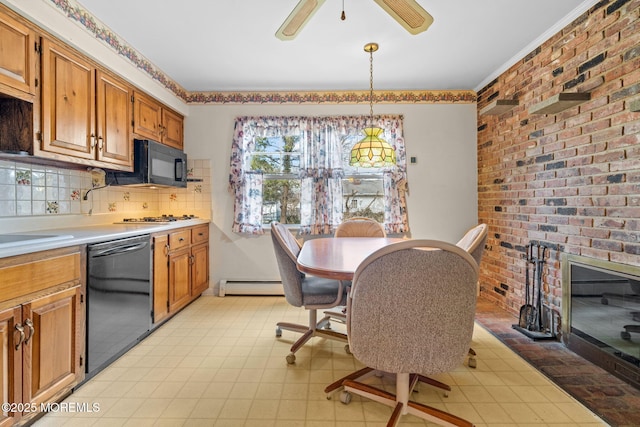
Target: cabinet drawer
(26, 274)
(179, 239)
(200, 234)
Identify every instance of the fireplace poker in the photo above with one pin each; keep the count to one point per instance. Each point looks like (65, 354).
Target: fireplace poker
(527, 310)
(538, 261)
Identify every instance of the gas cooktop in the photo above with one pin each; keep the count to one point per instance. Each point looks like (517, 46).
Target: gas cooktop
(162, 219)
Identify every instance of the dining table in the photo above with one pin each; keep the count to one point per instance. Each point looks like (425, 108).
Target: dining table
(338, 257)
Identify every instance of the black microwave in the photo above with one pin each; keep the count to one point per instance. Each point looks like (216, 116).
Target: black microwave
(155, 165)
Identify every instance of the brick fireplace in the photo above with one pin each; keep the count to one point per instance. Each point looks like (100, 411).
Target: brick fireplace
(567, 177)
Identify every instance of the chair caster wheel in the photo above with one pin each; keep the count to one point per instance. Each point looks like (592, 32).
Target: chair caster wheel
(291, 359)
(445, 394)
(473, 363)
(625, 335)
(347, 349)
(278, 332)
(345, 397)
(327, 326)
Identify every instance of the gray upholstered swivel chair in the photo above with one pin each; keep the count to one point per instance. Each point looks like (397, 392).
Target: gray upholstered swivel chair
(473, 242)
(360, 227)
(357, 226)
(306, 291)
(411, 313)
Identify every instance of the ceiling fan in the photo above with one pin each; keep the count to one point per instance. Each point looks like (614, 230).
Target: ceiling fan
(408, 13)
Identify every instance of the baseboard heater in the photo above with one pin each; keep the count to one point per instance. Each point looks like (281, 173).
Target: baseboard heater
(250, 287)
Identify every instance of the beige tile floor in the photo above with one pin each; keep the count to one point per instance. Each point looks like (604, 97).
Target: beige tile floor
(217, 363)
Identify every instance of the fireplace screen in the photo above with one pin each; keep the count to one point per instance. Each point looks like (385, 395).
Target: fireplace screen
(605, 310)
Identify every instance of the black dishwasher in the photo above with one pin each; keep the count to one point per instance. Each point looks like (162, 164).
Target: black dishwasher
(118, 299)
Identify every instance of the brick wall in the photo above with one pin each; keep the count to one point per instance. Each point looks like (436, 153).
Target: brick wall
(569, 180)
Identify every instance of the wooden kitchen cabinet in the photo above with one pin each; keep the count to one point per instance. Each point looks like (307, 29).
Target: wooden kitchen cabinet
(172, 129)
(180, 269)
(160, 277)
(113, 109)
(68, 105)
(17, 58)
(154, 121)
(86, 112)
(200, 260)
(52, 349)
(11, 369)
(41, 329)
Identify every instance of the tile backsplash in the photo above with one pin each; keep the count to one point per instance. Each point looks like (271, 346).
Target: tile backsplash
(34, 190)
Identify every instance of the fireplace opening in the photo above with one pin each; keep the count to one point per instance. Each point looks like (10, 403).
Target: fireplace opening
(601, 311)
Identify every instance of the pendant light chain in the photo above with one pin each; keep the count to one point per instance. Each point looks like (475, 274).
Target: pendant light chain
(372, 151)
(371, 86)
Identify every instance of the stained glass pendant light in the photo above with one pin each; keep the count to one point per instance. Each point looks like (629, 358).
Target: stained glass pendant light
(372, 151)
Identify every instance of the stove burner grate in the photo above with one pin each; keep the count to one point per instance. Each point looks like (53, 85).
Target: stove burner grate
(158, 219)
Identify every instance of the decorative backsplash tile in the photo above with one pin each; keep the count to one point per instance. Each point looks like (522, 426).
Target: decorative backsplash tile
(53, 208)
(32, 190)
(23, 177)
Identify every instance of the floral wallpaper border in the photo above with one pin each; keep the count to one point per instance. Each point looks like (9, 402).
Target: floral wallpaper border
(76, 13)
(353, 97)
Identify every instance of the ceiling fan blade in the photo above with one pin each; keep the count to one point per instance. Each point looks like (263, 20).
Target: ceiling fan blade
(297, 19)
(408, 13)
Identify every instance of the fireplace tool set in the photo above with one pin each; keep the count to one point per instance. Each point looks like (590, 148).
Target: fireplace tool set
(536, 316)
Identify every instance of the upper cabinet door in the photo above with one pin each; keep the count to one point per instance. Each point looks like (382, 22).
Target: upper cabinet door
(147, 117)
(152, 120)
(17, 59)
(172, 129)
(113, 106)
(68, 102)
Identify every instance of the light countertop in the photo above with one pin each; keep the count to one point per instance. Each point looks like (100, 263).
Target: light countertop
(71, 236)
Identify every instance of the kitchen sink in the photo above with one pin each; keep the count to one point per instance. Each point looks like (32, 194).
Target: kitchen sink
(9, 240)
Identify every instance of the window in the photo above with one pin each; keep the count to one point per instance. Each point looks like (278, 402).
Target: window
(278, 159)
(295, 170)
(362, 191)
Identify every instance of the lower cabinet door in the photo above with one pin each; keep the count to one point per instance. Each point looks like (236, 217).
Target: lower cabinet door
(160, 278)
(179, 271)
(199, 269)
(10, 364)
(50, 351)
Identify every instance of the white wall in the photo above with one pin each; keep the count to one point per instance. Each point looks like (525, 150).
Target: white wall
(442, 199)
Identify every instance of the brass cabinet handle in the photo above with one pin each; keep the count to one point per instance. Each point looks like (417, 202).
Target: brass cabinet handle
(100, 143)
(166, 249)
(29, 323)
(92, 138)
(20, 329)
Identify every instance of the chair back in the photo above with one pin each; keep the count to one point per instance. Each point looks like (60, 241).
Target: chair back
(360, 227)
(287, 249)
(474, 241)
(411, 307)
